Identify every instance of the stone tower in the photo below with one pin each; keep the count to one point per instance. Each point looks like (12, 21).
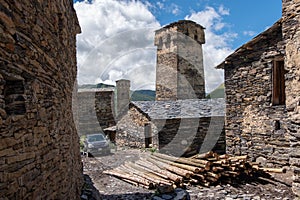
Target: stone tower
(179, 70)
(123, 95)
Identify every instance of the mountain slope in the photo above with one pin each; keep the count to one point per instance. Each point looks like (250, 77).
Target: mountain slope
(219, 92)
(143, 95)
(138, 95)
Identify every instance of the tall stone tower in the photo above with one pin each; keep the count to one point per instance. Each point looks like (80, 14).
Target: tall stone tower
(123, 95)
(179, 70)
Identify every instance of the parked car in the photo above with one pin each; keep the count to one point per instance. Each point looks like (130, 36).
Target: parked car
(96, 144)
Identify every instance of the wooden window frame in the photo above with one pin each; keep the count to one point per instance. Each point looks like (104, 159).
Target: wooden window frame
(278, 82)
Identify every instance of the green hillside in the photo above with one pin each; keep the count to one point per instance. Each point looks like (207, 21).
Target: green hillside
(219, 92)
(143, 95)
(92, 86)
(138, 95)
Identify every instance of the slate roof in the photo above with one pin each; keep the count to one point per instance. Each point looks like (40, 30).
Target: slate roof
(244, 49)
(95, 90)
(189, 108)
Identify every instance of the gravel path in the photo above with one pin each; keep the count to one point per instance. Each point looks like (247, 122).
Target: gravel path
(111, 188)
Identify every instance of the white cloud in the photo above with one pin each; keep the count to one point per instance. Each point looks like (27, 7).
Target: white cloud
(249, 33)
(116, 42)
(168, 8)
(223, 11)
(174, 9)
(160, 5)
(216, 48)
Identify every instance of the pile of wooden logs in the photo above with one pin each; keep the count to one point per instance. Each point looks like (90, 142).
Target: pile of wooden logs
(206, 169)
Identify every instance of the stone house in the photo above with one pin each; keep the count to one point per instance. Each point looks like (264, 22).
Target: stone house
(182, 127)
(39, 145)
(255, 110)
(180, 121)
(95, 110)
(262, 90)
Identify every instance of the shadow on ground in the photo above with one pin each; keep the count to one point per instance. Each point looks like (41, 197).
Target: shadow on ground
(133, 196)
(89, 192)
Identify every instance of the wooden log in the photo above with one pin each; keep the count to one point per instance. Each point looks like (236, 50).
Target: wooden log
(237, 158)
(220, 162)
(214, 175)
(146, 169)
(192, 169)
(156, 180)
(135, 183)
(203, 155)
(176, 170)
(204, 164)
(146, 174)
(174, 177)
(212, 159)
(164, 179)
(215, 155)
(200, 163)
(234, 174)
(199, 176)
(274, 170)
(217, 169)
(130, 178)
(224, 156)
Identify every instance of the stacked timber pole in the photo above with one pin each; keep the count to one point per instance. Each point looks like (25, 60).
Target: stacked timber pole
(160, 170)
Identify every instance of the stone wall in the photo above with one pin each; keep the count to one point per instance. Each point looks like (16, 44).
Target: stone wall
(254, 126)
(39, 145)
(131, 130)
(176, 136)
(179, 71)
(189, 136)
(95, 110)
(291, 34)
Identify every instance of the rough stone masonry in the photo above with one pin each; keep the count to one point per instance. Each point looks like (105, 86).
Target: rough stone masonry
(262, 88)
(291, 35)
(39, 145)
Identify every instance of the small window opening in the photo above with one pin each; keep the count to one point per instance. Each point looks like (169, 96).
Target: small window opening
(14, 99)
(277, 125)
(196, 37)
(278, 93)
(168, 42)
(160, 43)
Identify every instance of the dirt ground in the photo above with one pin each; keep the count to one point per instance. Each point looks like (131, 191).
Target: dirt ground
(111, 188)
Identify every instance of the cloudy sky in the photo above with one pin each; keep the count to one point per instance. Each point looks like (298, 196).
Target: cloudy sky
(117, 35)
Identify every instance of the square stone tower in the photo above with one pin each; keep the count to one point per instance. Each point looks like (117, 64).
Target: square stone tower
(179, 70)
(123, 96)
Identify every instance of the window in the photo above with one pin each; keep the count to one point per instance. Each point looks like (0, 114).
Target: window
(14, 97)
(168, 42)
(278, 93)
(196, 37)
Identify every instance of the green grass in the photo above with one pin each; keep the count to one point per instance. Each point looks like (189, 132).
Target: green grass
(143, 95)
(219, 92)
(81, 142)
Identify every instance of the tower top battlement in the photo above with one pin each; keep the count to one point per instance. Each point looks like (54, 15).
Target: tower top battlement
(178, 31)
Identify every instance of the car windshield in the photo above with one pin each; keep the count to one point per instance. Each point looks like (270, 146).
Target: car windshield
(94, 138)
